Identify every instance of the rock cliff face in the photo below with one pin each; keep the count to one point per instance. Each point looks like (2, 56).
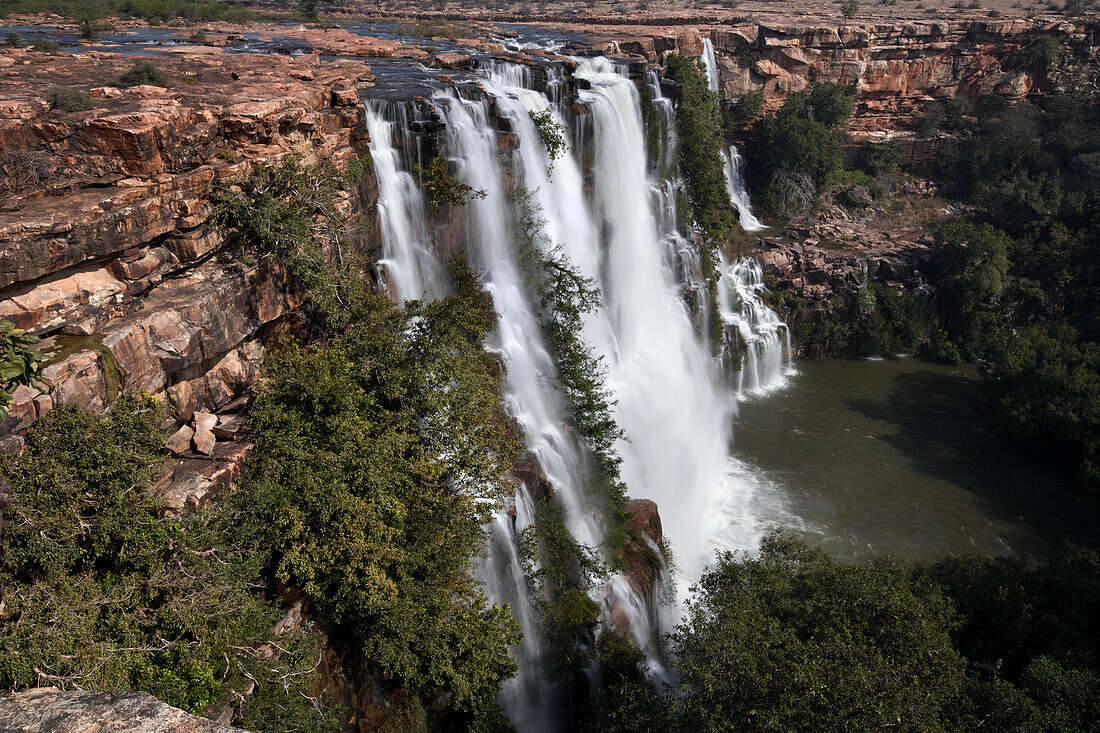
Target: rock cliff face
(105, 245)
(892, 68)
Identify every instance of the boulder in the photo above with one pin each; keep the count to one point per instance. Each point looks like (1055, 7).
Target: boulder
(50, 710)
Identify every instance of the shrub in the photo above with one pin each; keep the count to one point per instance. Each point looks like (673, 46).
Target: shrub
(45, 47)
(15, 39)
(849, 8)
(702, 147)
(19, 363)
(440, 188)
(748, 106)
(142, 72)
(882, 158)
(551, 133)
(68, 99)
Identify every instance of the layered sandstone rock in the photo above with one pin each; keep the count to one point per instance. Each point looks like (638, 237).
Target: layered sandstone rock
(106, 250)
(892, 68)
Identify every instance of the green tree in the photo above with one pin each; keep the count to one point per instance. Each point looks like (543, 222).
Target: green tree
(19, 363)
(792, 640)
(699, 127)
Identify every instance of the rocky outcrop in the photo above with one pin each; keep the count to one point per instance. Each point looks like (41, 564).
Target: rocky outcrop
(106, 249)
(891, 67)
(50, 710)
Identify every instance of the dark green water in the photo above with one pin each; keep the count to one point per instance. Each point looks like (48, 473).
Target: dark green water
(876, 457)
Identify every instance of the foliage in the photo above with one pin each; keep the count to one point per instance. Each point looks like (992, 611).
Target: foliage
(1017, 284)
(378, 454)
(560, 571)
(308, 9)
(19, 363)
(849, 8)
(142, 72)
(702, 146)
(798, 150)
(564, 297)
(154, 11)
(883, 158)
(102, 590)
(748, 106)
(88, 17)
(45, 46)
(68, 99)
(15, 39)
(551, 133)
(440, 188)
(627, 699)
(792, 640)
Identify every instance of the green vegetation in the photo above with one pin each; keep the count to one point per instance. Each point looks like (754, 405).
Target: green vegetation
(374, 454)
(748, 106)
(19, 363)
(380, 449)
(101, 590)
(153, 11)
(68, 99)
(440, 187)
(142, 72)
(15, 39)
(699, 126)
(849, 8)
(308, 9)
(793, 640)
(797, 151)
(1017, 290)
(551, 133)
(45, 46)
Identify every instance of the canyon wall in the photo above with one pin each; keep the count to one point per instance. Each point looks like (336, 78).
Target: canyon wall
(106, 249)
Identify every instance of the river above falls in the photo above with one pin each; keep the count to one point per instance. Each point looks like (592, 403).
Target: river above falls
(893, 457)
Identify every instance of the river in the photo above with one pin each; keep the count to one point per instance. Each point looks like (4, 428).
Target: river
(873, 457)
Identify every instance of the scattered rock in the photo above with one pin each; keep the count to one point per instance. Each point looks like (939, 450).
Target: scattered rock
(180, 441)
(204, 438)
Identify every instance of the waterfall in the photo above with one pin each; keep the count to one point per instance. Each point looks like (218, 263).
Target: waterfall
(618, 226)
(754, 329)
(408, 268)
(733, 164)
(676, 416)
(739, 192)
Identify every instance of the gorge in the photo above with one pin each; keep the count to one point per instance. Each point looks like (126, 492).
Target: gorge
(154, 239)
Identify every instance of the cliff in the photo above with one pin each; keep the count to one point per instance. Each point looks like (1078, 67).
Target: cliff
(106, 249)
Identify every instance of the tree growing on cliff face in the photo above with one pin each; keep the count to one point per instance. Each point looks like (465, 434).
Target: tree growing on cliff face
(373, 460)
(699, 126)
(803, 139)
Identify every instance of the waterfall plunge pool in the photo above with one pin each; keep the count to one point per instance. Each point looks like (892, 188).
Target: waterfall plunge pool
(893, 456)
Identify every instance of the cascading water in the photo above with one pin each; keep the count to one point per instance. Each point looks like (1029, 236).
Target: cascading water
(754, 329)
(409, 269)
(733, 163)
(618, 227)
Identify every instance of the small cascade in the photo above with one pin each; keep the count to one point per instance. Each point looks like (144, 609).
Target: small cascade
(755, 336)
(739, 192)
(407, 267)
(733, 163)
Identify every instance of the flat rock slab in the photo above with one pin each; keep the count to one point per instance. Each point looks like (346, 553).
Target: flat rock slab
(50, 710)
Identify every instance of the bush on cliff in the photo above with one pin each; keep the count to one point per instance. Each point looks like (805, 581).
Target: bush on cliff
(801, 142)
(702, 147)
(103, 591)
(380, 450)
